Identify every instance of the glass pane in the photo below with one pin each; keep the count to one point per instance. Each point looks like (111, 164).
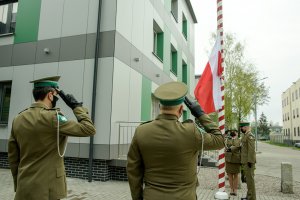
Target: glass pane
(5, 104)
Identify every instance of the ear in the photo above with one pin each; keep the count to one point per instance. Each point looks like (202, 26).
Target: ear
(180, 109)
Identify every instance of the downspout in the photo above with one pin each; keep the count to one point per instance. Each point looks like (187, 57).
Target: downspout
(97, 50)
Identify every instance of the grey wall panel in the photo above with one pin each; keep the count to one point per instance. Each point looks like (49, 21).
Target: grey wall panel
(136, 64)
(150, 70)
(107, 44)
(90, 46)
(3, 145)
(54, 47)
(123, 49)
(101, 151)
(72, 48)
(24, 53)
(5, 55)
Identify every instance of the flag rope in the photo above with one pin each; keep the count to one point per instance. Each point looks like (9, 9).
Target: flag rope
(221, 112)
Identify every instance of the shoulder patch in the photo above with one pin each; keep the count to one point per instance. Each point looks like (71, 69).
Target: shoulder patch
(62, 118)
(146, 122)
(188, 121)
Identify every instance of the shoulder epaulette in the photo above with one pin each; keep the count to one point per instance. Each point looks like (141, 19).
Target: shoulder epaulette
(188, 121)
(146, 122)
(23, 110)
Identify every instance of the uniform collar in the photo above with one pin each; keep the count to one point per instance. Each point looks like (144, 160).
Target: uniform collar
(167, 116)
(39, 105)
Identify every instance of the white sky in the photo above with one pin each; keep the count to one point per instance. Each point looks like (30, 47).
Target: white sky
(270, 30)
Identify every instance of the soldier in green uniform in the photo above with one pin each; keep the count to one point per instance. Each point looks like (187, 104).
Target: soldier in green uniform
(162, 158)
(248, 158)
(233, 160)
(38, 138)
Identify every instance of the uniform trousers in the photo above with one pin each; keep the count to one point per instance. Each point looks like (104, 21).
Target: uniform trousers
(249, 173)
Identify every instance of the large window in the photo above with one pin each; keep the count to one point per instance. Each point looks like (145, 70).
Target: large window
(173, 60)
(174, 9)
(184, 26)
(158, 41)
(5, 91)
(8, 12)
(184, 72)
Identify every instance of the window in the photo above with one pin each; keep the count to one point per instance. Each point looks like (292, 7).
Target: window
(5, 90)
(289, 131)
(174, 9)
(298, 131)
(296, 93)
(173, 60)
(184, 72)
(8, 12)
(184, 26)
(294, 114)
(297, 112)
(158, 41)
(294, 131)
(288, 116)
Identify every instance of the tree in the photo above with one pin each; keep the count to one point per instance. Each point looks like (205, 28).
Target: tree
(242, 88)
(263, 127)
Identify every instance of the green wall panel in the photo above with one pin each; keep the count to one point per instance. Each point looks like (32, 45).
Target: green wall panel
(27, 21)
(146, 99)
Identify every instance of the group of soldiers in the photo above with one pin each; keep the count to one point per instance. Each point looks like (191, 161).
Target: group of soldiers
(162, 159)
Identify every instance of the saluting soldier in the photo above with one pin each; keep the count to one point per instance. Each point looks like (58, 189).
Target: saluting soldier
(38, 139)
(248, 158)
(162, 158)
(233, 160)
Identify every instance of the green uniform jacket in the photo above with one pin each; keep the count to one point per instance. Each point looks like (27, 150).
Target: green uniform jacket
(235, 155)
(248, 148)
(38, 171)
(163, 156)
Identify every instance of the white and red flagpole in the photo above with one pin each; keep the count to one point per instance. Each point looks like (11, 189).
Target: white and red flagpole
(221, 112)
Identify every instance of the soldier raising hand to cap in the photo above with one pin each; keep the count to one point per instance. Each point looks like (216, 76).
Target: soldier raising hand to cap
(162, 159)
(37, 142)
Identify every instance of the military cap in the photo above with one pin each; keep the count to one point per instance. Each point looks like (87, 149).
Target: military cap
(46, 82)
(242, 124)
(171, 94)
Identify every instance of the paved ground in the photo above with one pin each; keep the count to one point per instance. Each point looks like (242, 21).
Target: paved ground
(268, 187)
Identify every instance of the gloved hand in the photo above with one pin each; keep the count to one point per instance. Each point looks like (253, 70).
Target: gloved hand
(69, 99)
(194, 107)
(249, 165)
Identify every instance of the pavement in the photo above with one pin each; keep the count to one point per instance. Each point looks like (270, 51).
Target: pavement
(267, 187)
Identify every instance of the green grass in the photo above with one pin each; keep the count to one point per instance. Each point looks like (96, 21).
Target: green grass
(282, 145)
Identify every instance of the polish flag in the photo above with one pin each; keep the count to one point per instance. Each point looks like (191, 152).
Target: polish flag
(208, 90)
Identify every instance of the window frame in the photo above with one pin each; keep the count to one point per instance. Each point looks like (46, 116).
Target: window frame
(8, 28)
(158, 42)
(4, 85)
(174, 56)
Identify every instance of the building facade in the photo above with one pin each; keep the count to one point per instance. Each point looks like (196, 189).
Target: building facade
(290, 112)
(113, 69)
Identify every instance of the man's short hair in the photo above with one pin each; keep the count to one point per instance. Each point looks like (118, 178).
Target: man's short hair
(164, 107)
(39, 93)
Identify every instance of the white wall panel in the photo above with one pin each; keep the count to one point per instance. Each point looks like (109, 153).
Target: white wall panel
(120, 99)
(148, 29)
(124, 18)
(92, 16)
(75, 17)
(71, 82)
(104, 101)
(51, 16)
(6, 73)
(108, 15)
(45, 70)
(138, 23)
(135, 93)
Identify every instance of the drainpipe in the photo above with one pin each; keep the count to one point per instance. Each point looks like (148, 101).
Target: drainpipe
(97, 50)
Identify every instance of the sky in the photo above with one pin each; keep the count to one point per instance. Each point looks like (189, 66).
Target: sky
(270, 30)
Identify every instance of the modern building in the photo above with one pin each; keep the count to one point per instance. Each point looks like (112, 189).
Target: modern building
(113, 69)
(290, 112)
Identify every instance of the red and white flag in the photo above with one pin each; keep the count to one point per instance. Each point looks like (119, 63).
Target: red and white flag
(208, 90)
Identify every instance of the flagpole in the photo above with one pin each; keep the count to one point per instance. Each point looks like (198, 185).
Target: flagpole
(221, 112)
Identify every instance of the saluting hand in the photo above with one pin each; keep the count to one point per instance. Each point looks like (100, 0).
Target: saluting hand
(194, 107)
(69, 99)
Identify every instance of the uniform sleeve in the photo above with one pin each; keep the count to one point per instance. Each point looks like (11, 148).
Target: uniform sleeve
(135, 171)
(251, 149)
(236, 147)
(213, 139)
(82, 128)
(13, 157)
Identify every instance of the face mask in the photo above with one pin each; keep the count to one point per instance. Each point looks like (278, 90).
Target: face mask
(243, 130)
(232, 134)
(55, 99)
